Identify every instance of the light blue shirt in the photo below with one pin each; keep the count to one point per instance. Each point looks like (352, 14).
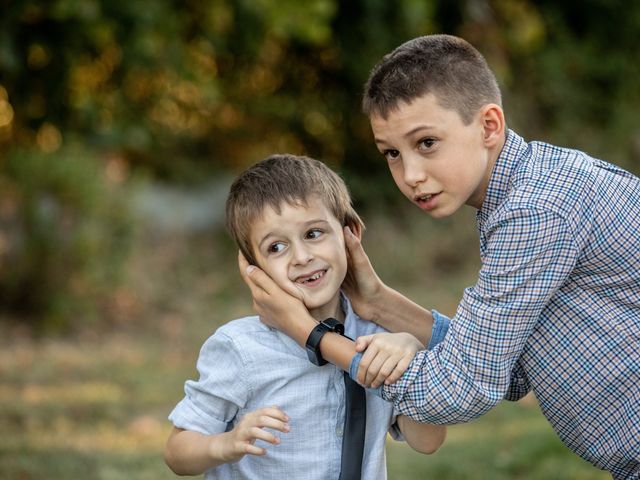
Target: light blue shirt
(556, 308)
(245, 366)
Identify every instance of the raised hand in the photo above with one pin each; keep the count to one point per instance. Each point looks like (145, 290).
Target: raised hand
(277, 308)
(362, 285)
(251, 428)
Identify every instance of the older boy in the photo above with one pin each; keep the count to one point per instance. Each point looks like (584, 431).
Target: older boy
(556, 308)
(287, 215)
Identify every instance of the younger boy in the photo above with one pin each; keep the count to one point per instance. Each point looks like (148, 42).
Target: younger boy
(287, 215)
(556, 307)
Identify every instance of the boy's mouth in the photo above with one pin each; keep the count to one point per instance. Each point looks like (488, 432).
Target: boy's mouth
(426, 201)
(424, 197)
(311, 278)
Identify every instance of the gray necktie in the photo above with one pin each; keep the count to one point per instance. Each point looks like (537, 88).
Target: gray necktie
(355, 421)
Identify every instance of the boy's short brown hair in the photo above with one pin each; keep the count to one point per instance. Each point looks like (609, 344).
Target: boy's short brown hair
(446, 66)
(284, 178)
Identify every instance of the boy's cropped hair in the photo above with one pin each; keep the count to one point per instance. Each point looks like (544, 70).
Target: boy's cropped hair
(448, 67)
(284, 178)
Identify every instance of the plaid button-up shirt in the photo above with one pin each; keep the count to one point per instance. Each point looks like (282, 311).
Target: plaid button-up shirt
(556, 308)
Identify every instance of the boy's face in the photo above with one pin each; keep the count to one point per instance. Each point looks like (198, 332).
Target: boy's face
(302, 249)
(437, 161)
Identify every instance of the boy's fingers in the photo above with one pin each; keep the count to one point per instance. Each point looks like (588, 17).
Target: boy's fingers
(260, 279)
(397, 372)
(363, 342)
(362, 369)
(253, 450)
(374, 370)
(354, 247)
(269, 422)
(242, 261)
(385, 370)
(365, 365)
(275, 412)
(260, 434)
(243, 266)
(256, 277)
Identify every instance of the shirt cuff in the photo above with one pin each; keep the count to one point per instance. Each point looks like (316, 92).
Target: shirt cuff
(439, 329)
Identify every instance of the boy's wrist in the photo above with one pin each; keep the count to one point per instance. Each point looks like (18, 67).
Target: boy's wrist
(221, 448)
(378, 302)
(301, 328)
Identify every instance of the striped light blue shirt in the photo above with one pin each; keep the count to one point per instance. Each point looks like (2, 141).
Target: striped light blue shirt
(556, 307)
(246, 365)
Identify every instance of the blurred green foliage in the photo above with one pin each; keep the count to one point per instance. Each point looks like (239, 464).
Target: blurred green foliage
(185, 87)
(181, 90)
(65, 235)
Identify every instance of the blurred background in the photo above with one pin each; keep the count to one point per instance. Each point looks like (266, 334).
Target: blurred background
(122, 124)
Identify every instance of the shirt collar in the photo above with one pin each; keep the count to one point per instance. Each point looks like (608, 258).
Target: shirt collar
(502, 174)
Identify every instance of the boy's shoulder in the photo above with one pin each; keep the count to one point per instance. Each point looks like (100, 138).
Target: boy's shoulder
(237, 332)
(241, 326)
(539, 175)
(249, 338)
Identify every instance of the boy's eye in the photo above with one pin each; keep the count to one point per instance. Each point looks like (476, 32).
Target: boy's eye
(313, 233)
(391, 154)
(426, 143)
(276, 247)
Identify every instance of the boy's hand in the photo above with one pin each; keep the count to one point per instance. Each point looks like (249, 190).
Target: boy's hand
(362, 285)
(251, 428)
(386, 357)
(277, 308)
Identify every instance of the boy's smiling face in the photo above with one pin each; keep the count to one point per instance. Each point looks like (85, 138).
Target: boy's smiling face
(302, 249)
(437, 161)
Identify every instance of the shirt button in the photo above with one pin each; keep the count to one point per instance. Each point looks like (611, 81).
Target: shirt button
(339, 431)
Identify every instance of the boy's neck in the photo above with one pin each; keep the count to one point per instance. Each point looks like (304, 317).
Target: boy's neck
(332, 309)
(494, 154)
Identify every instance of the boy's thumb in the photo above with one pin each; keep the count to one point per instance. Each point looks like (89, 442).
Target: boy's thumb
(362, 343)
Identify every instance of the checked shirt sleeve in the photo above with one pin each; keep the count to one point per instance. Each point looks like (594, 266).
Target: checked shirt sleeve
(529, 254)
(519, 385)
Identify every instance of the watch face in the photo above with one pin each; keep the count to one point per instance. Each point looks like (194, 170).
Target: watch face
(333, 325)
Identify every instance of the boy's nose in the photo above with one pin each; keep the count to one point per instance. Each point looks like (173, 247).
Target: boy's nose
(301, 254)
(414, 172)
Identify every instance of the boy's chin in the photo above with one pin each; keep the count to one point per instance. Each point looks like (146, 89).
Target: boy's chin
(321, 308)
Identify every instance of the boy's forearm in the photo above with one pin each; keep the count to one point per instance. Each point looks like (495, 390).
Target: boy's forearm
(337, 350)
(299, 328)
(334, 348)
(397, 313)
(192, 453)
(422, 437)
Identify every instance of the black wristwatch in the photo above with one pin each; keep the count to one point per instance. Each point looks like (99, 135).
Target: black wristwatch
(313, 341)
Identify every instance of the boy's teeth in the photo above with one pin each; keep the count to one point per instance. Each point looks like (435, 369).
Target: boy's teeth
(313, 277)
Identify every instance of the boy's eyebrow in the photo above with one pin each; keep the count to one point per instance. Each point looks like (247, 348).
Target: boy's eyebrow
(410, 132)
(418, 128)
(305, 224)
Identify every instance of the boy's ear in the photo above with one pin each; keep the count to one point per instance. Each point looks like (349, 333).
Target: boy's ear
(493, 124)
(356, 230)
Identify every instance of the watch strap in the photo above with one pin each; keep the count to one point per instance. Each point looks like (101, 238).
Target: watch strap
(313, 340)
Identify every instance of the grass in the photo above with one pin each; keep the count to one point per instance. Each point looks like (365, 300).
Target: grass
(95, 405)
